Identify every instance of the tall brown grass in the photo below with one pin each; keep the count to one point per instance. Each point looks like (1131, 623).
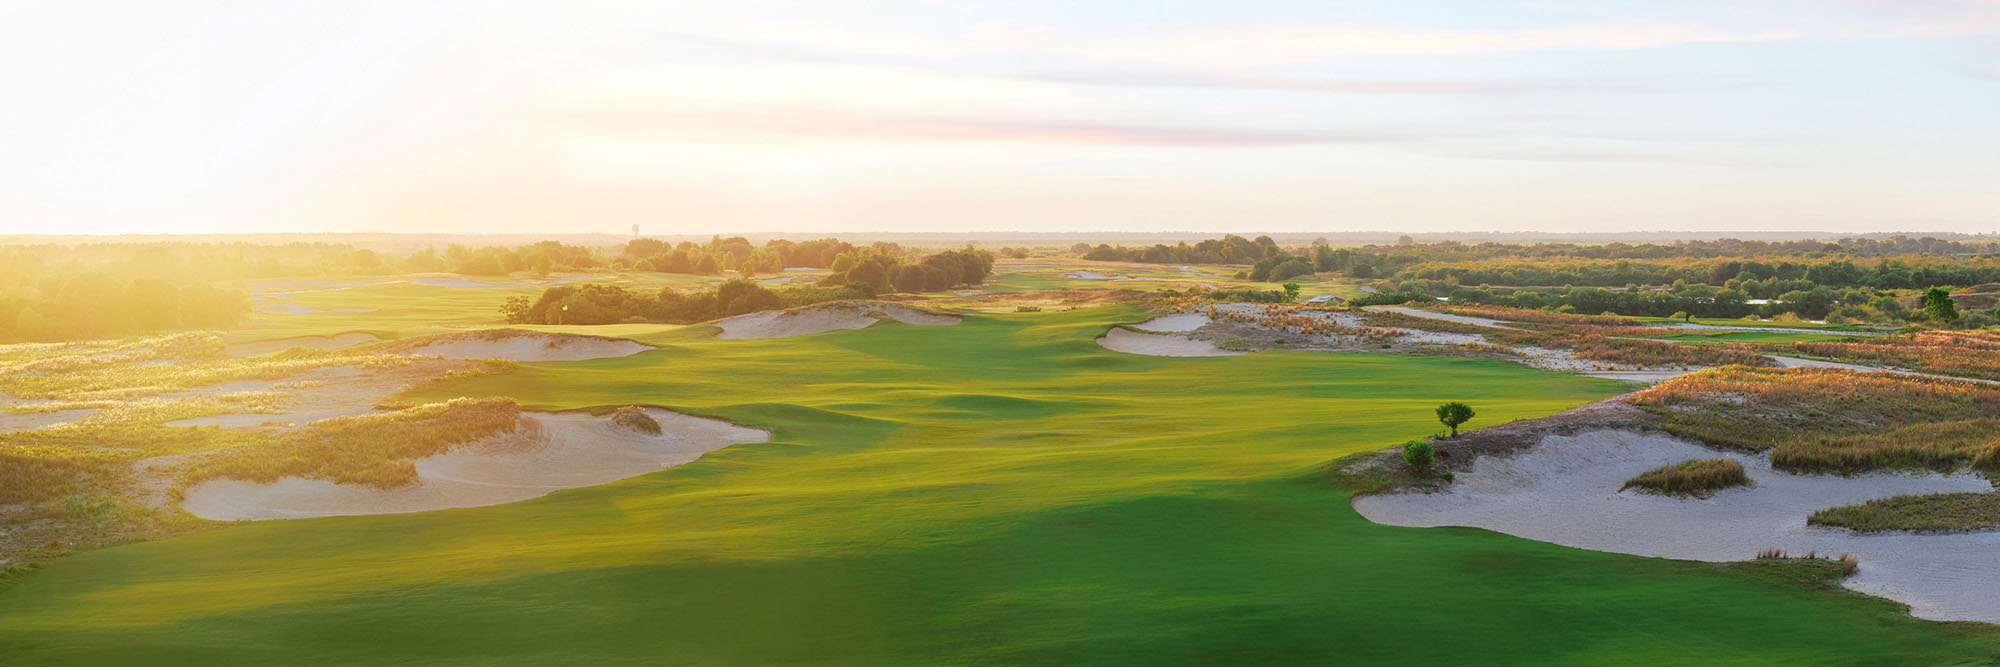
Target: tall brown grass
(1834, 420)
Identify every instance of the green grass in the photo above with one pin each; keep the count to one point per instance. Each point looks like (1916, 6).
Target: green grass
(1003, 491)
(1929, 513)
(1694, 477)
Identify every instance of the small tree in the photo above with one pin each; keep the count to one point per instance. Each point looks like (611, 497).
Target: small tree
(1291, 292)
(1418, 454)
(1454, 413)
(1939, 306)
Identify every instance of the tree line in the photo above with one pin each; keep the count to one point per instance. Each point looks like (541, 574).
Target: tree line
(858, 274)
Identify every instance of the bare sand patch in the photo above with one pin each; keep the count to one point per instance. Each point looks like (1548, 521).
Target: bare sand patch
(1565, 489)
(823, 317)
(1125, 340)
(518, 345)
(1177, 322)
(551, 452)
(263, 347)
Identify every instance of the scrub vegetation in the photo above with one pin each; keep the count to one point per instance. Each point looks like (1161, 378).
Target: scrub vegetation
(1593, 344)
(372, 450)
(1835, 421)
(1974, 354)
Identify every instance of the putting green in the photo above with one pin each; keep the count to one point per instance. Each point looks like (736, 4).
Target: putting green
(1000, 491)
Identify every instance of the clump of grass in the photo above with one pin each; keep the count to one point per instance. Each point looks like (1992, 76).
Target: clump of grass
(1928, 513)
(635, 418)
(30, 476)
(1832, 420)
(1695, 477)
(1846, 564)
(375, 450)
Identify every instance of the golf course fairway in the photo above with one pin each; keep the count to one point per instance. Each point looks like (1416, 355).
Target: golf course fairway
(1003, 491)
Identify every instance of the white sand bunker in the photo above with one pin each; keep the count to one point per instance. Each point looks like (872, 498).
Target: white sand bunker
(1176, 322)
(1120, 339)
(550, 453)
(518, 345)
(1564, 490)
(263, 347)
(823, 317)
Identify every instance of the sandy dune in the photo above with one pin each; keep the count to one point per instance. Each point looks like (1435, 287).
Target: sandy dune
(824, 317)
(549, 453)
(518, 345)
(263, 347)
(1564, 490)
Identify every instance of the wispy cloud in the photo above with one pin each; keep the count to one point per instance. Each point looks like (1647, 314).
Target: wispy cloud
(854, 126)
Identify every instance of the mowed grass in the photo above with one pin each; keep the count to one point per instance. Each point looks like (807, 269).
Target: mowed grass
(1003, 491)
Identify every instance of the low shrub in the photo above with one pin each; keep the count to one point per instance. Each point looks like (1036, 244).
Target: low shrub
(1418, 454)
(635, 418)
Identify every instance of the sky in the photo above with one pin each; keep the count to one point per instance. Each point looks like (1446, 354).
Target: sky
(754, 116)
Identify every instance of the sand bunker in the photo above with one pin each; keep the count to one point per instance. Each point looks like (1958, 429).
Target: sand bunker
(1176, 322)
(550, 453)
(824, 317)
(263, 347)
(518, 345)
(1128, 341)
(1564, 490)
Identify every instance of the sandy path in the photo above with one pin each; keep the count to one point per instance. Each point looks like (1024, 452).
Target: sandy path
(1564, 490)
(824, 317)
(553, 452)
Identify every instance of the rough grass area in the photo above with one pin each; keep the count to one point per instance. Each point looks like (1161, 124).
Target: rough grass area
(1393, 319)
(1699, 478)
(1537, 316)
(635, 418)
(1592, 344)
(80, 374)
(1817, 419)
(44, 474)
(376, 450)
(1931, 513)
(1973, 354)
